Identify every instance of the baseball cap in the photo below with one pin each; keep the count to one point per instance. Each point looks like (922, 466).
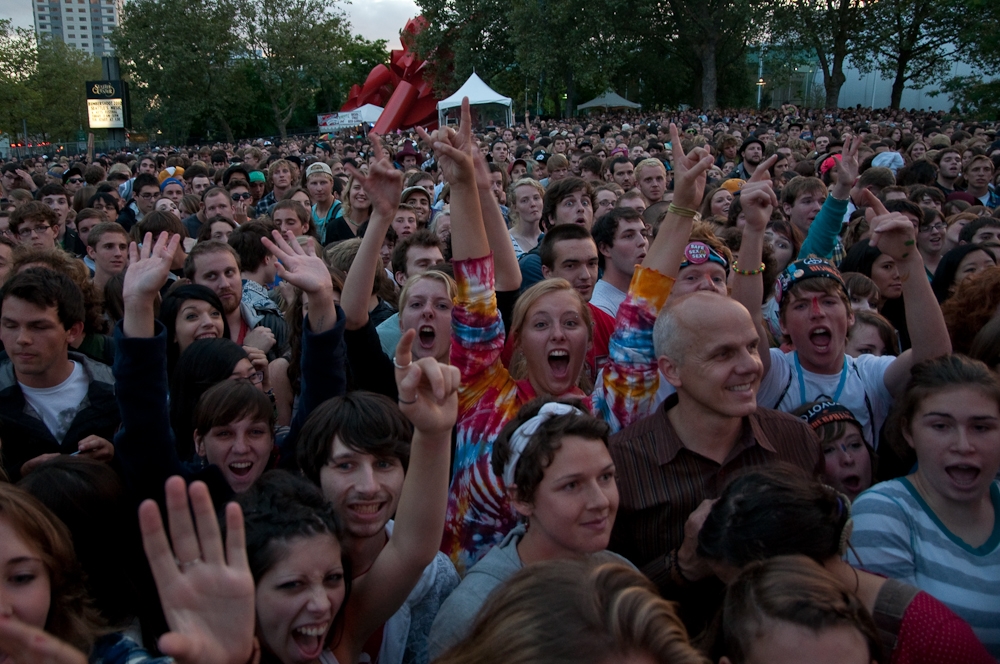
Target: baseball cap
(257, 176)
(827, 412)
(315, 168)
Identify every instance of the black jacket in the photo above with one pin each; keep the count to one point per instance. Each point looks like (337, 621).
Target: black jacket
(25, 435)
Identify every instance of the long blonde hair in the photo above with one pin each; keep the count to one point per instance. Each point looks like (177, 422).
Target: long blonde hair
(518, 365)
(573, 612)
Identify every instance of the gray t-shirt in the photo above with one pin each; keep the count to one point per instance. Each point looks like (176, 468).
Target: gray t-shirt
(607, 298)
(458, 613)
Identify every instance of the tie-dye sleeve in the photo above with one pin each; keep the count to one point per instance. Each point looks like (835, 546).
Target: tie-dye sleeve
(477, 332)
(626, 391)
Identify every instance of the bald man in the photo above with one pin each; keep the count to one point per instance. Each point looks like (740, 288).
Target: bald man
(672, 464)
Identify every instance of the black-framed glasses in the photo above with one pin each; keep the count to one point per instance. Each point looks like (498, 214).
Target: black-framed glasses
(240, 197)
(28, 231)
(940, 226)
(74, 181)
(147, 196)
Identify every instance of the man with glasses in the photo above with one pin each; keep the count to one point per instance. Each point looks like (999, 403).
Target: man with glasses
(146, 190)
(239, 195)
(35, 225)
(73, 180)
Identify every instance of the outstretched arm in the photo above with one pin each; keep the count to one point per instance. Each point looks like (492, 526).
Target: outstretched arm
(454, 153)
(383, 184)
(428, 397)
(666, 253)
(893, 234)
(758, 200)
(149, 267)
(300, 266)
(825, 228)
(505, 266)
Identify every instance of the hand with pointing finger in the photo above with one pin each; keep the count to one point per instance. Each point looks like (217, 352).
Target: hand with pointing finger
(757, 197)
(428, 390)
(892, 232)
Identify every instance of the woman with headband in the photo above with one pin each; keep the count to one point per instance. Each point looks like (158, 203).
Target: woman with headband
(551, 326)
(554, 460)
(773, 512)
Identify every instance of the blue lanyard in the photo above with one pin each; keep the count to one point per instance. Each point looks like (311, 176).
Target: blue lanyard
(802, 380)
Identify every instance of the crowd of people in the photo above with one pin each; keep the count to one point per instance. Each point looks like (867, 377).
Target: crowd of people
(507, 394)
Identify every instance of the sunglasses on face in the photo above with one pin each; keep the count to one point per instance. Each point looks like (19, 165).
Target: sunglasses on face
(240, 197)
(74, 181)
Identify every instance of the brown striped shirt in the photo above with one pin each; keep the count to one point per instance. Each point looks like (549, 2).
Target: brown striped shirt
(660, 481)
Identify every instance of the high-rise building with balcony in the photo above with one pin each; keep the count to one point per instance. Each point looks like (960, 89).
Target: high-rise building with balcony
(84, 24)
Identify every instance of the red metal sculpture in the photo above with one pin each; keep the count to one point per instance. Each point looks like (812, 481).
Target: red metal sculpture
(400, 88)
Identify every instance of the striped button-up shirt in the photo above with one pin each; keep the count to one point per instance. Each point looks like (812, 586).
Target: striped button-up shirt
(661, 481)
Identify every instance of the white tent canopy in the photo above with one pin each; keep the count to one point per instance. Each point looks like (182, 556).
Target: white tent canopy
(609, 100)
(484, 100)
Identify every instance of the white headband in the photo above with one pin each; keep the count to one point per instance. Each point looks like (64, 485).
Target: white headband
(522, 435)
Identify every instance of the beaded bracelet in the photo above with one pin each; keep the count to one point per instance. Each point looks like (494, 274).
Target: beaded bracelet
(747, 273)
(681, 211)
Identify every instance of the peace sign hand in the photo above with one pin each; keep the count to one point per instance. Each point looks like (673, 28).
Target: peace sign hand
(689, 172)
(384, 182)
(454, 149)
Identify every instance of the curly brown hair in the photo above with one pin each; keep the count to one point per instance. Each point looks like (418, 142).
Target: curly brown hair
(971, 307)
(58, 260)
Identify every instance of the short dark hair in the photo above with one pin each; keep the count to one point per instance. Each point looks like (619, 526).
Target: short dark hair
(230, 401)
(421, 238)
(905, 207)
(246, 240)
(606, 227)
(965, 235)
(214, 191)
(210, 247)
(556, 234)
(31, 211)
(43, 287)
(364, 421)
(544, 443)
(560, 190)
(280, 507)
(144, 180)
(157, 222)
(52, 189)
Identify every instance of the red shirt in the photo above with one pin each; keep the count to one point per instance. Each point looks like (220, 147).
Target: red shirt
(932, 634)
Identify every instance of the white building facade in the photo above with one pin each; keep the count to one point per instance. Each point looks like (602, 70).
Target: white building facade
(83, 24)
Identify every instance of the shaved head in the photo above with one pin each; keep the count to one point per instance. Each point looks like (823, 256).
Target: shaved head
(683, 321)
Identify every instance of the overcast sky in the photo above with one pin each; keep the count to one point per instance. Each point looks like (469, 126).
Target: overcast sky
(372, 19)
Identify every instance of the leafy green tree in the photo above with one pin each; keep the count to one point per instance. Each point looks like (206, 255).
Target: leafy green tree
(829, 28)
(911, 41)
(59, 81)
(180, 58)
(18, 61)
(295, 46)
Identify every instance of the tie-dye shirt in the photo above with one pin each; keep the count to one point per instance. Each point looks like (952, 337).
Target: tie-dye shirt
(479, 515)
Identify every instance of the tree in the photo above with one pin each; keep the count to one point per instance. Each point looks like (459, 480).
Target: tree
(911, 41)
(18, 60)
(829, 28)
(180, 60)
(59, 80)
(295, 46)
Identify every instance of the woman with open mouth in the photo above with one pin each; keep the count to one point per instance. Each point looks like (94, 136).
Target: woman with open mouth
(551, 327)
(939, 527)
(189, 313)
(231, 422)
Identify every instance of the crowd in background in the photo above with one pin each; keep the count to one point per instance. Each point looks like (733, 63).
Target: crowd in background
(654, 387)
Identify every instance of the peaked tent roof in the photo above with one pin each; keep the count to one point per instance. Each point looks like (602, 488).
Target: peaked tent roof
(478, 93)
(609, 100)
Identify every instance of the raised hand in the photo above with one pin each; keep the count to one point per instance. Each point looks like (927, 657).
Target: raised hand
(892, 232)
(454, 148)
(428, 390)
(298, 265)
(149, 265)
(689, 172)
(383, 183)
(206, 588)
(847, 168)
(757, 196)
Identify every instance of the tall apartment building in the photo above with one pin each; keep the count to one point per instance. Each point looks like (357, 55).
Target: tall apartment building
(84, 24)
